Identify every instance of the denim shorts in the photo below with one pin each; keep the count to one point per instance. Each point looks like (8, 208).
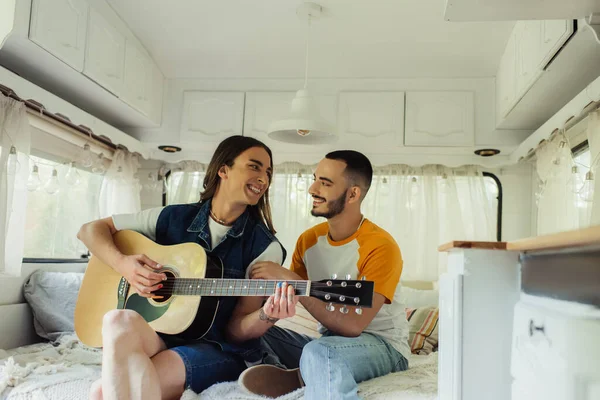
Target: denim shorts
(206, 364)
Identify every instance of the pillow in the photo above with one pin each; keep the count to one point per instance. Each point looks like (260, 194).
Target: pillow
(52, 297)
(423, 329)
(415, 298)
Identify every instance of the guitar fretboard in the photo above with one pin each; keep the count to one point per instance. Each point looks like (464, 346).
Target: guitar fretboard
(231, 287)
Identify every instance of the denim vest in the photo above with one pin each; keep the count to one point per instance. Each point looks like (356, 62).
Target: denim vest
(244, 242)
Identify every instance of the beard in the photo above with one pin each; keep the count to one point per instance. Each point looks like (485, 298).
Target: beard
(334, 208)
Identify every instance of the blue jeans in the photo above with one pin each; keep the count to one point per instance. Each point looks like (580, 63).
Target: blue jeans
(332, 366)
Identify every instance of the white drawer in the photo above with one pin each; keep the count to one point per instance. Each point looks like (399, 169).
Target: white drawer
(554, 355)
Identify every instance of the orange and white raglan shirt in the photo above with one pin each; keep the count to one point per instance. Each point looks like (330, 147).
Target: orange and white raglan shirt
(369, 252)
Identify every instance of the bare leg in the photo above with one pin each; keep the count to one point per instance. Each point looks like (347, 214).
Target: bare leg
(132, 367)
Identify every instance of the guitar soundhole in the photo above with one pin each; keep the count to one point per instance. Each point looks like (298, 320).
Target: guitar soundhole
(167, 290)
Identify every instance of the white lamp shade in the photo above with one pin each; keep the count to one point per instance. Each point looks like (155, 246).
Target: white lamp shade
(304, 125)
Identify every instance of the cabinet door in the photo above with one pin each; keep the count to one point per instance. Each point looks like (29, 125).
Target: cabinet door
(157, 94)
(439, 119)
(506, 82)
(209, 117)
(371, 121)
(105, 53)
(554, 33)
(60, 28)
(528, 34)
(137, 85)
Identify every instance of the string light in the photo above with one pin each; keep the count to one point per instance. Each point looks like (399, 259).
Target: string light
(13, 164)
(52, 186)
(587, 191)
(34, 181)
(72, 177)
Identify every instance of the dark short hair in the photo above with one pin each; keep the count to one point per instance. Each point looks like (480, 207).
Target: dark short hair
(359, 170)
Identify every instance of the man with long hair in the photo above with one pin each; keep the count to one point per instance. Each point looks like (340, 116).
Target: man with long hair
(231, 221)
(361, 344)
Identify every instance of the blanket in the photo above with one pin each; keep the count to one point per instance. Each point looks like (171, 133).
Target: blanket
(66, 370)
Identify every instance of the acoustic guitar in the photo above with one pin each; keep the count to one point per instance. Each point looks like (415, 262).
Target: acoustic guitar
(189, 299)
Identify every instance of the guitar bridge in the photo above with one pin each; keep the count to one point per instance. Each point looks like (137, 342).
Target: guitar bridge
(122, 292)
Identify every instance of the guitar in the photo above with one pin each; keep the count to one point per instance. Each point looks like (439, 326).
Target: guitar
(189, 298)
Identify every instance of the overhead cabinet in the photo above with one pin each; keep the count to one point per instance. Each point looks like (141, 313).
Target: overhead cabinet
(84, 45)
(439, 119)
(531, 46)
(210, 117)
(60, 27)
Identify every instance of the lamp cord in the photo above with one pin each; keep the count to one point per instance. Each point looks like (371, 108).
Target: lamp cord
(306, 51)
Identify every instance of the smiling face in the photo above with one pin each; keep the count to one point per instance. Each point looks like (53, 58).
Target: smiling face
(247, 180)
(330, 189)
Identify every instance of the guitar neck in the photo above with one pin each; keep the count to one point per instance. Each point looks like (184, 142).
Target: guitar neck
(231, 287)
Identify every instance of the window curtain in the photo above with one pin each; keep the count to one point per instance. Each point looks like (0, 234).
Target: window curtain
(185, 182)
(559, 207)
(593, 134)
(420, 207)
(120, 192)
(14, 172)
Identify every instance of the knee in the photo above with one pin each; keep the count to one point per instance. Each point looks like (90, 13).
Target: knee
(315, 353)
(96, 390)
(118, 326)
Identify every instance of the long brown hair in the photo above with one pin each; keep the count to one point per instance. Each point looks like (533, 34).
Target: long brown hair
(225, 154)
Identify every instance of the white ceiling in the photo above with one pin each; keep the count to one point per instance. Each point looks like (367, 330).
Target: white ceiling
(358, 39)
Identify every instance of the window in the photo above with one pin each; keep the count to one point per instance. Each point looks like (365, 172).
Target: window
(53, 219)
(183, 187)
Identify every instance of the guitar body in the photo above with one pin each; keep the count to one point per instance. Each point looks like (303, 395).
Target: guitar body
(103, 289)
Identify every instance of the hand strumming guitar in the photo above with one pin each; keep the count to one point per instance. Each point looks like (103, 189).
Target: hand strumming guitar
(139, 271)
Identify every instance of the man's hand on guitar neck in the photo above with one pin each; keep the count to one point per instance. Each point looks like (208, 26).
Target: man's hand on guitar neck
(139, 272)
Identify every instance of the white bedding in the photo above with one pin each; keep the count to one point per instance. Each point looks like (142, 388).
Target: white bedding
(65, 372)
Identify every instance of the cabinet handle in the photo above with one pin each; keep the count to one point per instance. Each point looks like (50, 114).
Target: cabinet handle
(533, 329)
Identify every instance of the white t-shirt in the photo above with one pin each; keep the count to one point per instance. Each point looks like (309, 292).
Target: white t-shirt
(145, 222)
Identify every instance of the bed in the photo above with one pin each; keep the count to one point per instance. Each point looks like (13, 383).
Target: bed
(64, 368)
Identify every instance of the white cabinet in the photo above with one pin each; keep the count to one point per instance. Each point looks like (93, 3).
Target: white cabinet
(554, 34)
(528, 38)
(263, 108)
(371, 121)
(105, 53)
(555, 350)
(531, 46)
(439, 119)
(138, 78)
(506, 79)
(60, 27)
(210, 117)
(477, 298)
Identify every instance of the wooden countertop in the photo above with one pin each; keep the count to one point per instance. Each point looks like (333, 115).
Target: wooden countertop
(463, 244)
(581, 237)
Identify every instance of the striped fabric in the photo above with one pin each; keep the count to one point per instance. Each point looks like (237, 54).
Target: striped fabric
(423, 329)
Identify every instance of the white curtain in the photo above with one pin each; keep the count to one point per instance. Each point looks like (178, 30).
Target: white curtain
(185, 182)
(120, 192)
(558, 203)
(420, 207)
(593, 134)
(14, 172)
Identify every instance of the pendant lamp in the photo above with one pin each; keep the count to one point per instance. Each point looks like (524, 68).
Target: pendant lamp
(304, 124)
